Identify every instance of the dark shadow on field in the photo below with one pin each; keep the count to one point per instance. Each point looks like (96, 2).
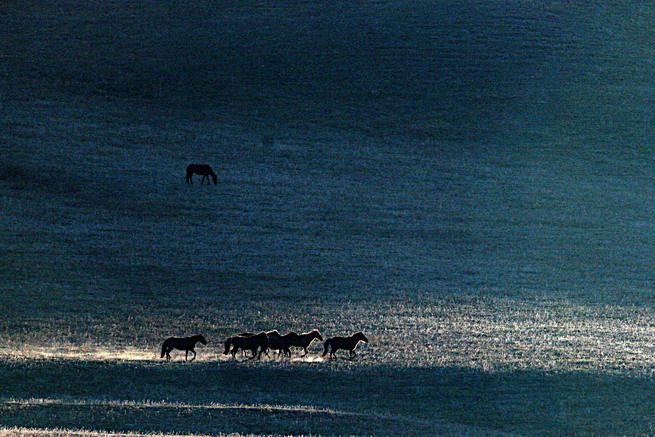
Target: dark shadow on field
(385, 400)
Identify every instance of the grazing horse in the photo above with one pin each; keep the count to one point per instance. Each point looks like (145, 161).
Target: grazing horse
(252, 343)
(304, 340)
(346, 343)
(184, 344)
(200, 169)
(280, 343)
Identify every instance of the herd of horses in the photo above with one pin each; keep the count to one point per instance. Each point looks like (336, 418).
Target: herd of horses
(260, 343)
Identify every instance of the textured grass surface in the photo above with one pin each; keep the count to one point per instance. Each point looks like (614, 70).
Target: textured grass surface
(488, 335)
(467, 185)
(300, 399)
(479, 324)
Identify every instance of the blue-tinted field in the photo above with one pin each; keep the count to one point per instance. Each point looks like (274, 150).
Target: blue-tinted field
(467, 182)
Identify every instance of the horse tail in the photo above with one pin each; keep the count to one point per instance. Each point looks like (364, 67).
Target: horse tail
(326, 346)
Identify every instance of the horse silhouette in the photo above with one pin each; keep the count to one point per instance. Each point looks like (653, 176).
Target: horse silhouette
(280, 343)
(251, 343)
(186, 344)
(346, 343)
(305, 339)
(274, 333)
(200, 169)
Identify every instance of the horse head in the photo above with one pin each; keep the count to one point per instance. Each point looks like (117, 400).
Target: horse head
(228, 343)
(264, 335)
(315, 333)
(360, 336)
(201, 339)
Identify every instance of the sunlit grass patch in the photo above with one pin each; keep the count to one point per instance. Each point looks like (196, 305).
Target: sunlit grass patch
(488, 334)
(149, 404)
(61, 415)
(494, 363)
(55, 432)
(76, 352)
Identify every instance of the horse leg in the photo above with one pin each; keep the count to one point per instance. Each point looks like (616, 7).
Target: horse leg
(194, 354)
(186, 355)
(305, 348)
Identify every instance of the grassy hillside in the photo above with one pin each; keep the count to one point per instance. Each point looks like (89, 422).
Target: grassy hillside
(425, 184)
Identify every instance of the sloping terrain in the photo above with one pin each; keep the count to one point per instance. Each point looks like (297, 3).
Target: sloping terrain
(466, 182)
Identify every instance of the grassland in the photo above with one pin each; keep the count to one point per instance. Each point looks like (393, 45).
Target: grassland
(504, 278)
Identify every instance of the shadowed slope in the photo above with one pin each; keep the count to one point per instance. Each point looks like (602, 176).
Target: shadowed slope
(358, 400)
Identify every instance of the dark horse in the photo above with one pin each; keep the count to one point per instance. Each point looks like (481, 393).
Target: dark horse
(201, 169)
(273, 333)
(280, 343)
(252, 343)
(184, 344)
(304, 340)
(346, 343)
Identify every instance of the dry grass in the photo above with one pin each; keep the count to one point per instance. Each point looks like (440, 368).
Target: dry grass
(503, 288)
(284, 419)
(483, 334)
(487, 365)
(35, 432)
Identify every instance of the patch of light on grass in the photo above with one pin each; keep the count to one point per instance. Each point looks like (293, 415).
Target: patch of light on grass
(108, 354)
(83, 353)
(309, 359)
(60, 432)
(37, 402)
